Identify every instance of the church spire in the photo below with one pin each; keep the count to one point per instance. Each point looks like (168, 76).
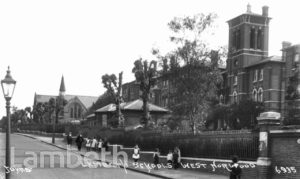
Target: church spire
(62, 88)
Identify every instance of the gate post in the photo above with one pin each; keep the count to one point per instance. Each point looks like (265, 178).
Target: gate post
(266, 121)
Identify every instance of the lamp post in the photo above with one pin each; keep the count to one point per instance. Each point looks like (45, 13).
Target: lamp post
(8, 87)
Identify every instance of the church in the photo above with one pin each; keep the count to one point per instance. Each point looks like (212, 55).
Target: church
(76, 107)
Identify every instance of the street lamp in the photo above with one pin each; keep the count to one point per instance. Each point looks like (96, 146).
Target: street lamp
(8, 87)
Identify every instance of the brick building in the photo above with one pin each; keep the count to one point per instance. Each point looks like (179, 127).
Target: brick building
(250, 72)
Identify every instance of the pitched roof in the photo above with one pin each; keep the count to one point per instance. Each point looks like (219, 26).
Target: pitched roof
(87, 101)
(268, 59)
(136, 105)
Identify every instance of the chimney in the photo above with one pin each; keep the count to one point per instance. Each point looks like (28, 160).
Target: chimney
(265, 11)
(286, 44)
(249, 8)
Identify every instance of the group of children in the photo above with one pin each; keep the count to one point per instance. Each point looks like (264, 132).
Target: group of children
(96, 145)
(173, 157)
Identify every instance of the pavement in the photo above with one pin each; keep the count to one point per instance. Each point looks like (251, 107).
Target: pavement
(35, 158)
(128, 167)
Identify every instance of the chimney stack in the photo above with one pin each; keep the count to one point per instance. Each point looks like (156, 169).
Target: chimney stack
(249, 8)
(265, 11)
(286, 44)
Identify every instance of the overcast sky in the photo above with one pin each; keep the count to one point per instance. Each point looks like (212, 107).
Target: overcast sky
(82, 40)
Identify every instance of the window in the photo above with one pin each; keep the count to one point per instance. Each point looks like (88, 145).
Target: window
(260, 95)
(296, 58)
(79, 112)
(255, 75)
(261, 75)
(104, 120)
(235, 98)
(236, 62)
(221, 100)
(254, 95)
(235, 80)
(71, 112)
(238, 39)
(259, 39)
(252, 38)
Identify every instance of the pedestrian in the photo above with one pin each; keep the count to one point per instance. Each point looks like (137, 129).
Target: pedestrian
(105, 144)
(94, 142)
(175, 159)
(170, 159)
(79, 141)
(156, 158)
(69, 140)
(179, 154)
(88, 144)
(235, 169)
(100, 145)
(136, 153)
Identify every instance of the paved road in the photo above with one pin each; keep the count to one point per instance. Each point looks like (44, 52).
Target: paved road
(23, 144)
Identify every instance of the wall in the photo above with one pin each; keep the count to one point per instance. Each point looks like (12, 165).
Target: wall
(285, 152)
(216, 166)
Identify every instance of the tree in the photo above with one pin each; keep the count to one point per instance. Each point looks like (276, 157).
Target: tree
(56, 106)
(38, 112)
(192, 68)
(114, 87)
(102, 101)
(145, 75)
(29, 112)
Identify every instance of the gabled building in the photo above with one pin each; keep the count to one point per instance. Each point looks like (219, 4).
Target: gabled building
(76, 107)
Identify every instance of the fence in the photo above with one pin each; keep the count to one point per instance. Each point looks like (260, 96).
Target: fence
(220, 144)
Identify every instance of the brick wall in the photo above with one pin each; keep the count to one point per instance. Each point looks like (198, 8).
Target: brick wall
(285, 153)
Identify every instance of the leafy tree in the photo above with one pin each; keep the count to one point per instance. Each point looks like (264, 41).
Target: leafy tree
(145, 75)
(102, 101)
(38, 112)
(292, 112)
(243, 115)
(29, 112)
(193, 72)
(114, 87)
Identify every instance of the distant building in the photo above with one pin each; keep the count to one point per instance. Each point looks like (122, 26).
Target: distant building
(76, 107)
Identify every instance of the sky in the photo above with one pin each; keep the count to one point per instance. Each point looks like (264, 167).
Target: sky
(42, 40)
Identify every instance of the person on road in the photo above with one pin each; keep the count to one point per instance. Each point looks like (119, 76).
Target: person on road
(88, 144)
(136, 153)
(170, 159)
(235, 169)
(105, 144)
(156, 157)
(175, 159)
(94, 142)
(100, 145)
(79, 141)
(69, 140)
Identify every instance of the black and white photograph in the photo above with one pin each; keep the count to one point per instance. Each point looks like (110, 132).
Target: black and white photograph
(145, 89)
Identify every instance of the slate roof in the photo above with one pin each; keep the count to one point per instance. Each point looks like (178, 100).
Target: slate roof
(87, 101)
(266, 60)
(136, 105)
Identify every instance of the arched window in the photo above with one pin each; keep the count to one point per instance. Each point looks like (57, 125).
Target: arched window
(259, 39)
(252, 38)
(260, 95)
(235, 96)
(72, 113)
(221, 100)
(79, 112)
(254, 94)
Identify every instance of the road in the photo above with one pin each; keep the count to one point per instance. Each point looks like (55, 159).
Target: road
(52, 169)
